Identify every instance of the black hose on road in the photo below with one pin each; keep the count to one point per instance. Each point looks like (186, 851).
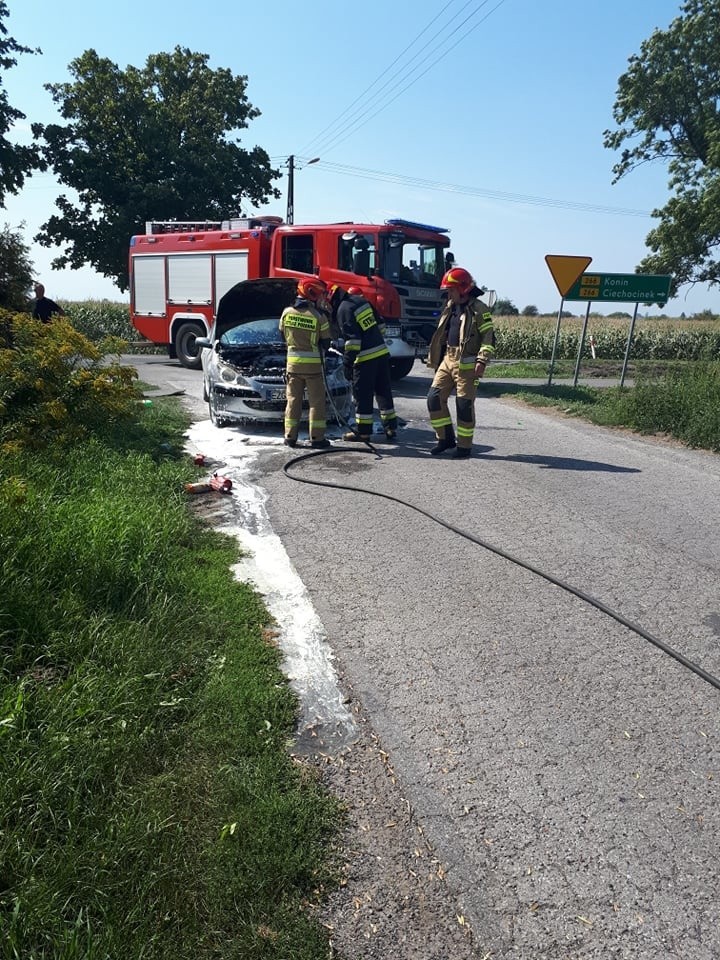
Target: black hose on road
(580, 594)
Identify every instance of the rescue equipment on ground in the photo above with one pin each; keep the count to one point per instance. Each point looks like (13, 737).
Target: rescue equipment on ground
(217, 482)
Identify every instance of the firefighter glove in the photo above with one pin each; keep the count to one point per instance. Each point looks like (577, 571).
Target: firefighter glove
(480, 368)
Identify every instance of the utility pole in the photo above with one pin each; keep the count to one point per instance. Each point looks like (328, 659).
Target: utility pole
(291, 189)
(290, 218)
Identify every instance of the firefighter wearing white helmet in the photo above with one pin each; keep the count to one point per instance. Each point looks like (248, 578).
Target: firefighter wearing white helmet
(459, 351)
(306, 331)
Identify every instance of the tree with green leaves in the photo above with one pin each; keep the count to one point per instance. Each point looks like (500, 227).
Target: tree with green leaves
(668, 109)
(16, 270)
(16, 160)
(156, 143)
(505, 308)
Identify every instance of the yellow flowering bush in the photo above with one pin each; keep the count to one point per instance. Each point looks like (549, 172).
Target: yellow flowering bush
(56, 387)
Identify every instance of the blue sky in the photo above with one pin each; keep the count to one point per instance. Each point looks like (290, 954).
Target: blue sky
(507, 111)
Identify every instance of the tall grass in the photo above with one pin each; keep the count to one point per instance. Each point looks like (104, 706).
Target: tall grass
(148, 807)
(684, 403)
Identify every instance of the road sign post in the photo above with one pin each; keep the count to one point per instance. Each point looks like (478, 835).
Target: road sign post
(627, 346)
(581, 346)
(634, 288)
(565, 270)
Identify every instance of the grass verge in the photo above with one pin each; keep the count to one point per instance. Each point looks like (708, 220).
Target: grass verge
(684, 403)
(148, 805)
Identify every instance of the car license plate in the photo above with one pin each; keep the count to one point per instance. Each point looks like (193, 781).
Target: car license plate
(277, 394)
(392, 331)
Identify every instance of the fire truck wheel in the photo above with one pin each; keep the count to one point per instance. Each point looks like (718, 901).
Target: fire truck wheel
(401, 368)
(187, 353)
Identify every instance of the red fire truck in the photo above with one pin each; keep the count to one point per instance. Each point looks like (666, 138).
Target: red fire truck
(179, 272)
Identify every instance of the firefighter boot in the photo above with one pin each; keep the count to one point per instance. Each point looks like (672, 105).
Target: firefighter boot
(356, 437)
(461, 453)
(447, 442)
(320, 444)
(391, 430)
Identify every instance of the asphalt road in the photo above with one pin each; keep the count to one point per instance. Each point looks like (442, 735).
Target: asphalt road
(564, 769)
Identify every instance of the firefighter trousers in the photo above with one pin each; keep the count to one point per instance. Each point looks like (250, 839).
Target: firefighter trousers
(371, 381)
(297, 384)
(449, 377)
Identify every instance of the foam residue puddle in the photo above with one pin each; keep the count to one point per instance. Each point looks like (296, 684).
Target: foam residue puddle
(326, 725)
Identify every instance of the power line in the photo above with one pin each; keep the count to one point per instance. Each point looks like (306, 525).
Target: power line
(381, 75)
(351, 122)
(500, 195)
(400, 75)
(354, 124)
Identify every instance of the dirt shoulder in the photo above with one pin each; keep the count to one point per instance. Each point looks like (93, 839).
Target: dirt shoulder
(394, 899)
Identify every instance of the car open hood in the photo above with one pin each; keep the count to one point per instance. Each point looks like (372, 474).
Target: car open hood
(253, 300)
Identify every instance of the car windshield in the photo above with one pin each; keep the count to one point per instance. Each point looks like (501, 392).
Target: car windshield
(254, 333)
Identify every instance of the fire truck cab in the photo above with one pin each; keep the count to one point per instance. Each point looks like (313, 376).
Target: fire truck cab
(179, 272)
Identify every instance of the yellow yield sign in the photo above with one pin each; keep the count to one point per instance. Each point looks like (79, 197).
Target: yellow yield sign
(566, 270)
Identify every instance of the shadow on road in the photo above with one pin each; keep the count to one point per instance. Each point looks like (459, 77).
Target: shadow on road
(417, 444)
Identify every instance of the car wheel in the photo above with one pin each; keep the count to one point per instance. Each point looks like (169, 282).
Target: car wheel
(215, 419)
(187, 352)
(401, 368)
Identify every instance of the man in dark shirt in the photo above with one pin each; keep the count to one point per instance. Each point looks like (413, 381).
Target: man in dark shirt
(44, 306)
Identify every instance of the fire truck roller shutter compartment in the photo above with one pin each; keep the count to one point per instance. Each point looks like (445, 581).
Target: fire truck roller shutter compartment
(230, 268)
(149, 286)
(189, 285)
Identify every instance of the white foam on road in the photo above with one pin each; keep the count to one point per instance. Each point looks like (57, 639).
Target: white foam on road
(326, 723)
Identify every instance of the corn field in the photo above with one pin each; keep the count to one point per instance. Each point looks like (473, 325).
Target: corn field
(518, 338)
(531, 338)
(96, 319)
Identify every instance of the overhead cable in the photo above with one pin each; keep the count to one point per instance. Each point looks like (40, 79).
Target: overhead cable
(499, 195)
(344, 115)
(350, 127)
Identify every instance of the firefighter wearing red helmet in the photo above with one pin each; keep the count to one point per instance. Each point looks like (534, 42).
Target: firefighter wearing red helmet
(366, 362)
(459, 351)
(306, 332)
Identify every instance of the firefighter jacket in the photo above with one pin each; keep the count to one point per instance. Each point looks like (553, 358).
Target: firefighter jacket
(477, 335)
(364, 335)
(306, 332)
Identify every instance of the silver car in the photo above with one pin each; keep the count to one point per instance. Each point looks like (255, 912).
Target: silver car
(243, 359)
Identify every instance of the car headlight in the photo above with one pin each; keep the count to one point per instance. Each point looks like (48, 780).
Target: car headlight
(228, 374)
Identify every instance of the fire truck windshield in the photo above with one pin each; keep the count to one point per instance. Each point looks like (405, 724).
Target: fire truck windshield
(411, 263)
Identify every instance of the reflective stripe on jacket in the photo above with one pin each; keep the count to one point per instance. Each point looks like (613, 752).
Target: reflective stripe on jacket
(477, 335)
(303, 327)
(364, 335)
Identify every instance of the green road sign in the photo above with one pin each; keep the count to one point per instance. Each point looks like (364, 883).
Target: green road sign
(621, 288)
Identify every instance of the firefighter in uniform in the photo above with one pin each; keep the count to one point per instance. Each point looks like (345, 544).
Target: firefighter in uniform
(459, 351)
(306, 331)
(366, 362)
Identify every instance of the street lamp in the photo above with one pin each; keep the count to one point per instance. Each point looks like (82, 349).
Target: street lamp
(291, 185)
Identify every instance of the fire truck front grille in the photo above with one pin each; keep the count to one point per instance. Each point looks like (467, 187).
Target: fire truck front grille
(416, 309)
